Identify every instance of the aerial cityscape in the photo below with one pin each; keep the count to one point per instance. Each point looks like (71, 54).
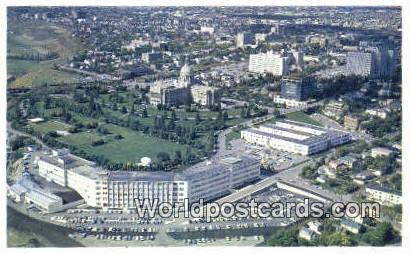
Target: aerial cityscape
(204, 126)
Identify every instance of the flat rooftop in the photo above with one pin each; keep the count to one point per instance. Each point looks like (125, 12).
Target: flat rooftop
(141, 176)
(327, 133)
(70, 160)
(69, 196)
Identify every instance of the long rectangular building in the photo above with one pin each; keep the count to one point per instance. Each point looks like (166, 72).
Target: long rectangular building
(295, 137)
(119, 189)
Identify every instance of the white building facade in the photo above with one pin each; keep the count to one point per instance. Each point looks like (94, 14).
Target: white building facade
(276, 64)
(295, 137)
(120, 189)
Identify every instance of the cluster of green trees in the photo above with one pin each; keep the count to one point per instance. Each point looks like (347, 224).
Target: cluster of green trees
(386, 165)
(332, 88)
(19, 142)
(380, 127)
(377, 234)
(164, 127)
(380, 235)
(34, 56)
(309, 172)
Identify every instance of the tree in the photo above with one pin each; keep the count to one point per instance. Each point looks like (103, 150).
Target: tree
(276, 112)
(309, 172)
(284, 237)
(335, 239)
(163, 156)
(145, 113)
(177, 157)
(47, 102)
(173, 116)
(114, 106)
(197, 118)
(379, 236)
(243, 114)
(225, 115)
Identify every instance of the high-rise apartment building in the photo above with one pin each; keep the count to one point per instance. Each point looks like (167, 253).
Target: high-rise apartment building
(375, 60)
(276, 64)
(297, 88)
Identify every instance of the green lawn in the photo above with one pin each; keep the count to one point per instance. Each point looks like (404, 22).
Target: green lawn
(302, 117)
(18, 67)
(48, 126)
(132, 147)
(232, 136)
(38, 37)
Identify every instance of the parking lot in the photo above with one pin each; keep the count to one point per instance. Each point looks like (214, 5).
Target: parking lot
(278, 160)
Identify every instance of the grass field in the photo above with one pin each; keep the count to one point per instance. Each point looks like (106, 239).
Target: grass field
(302, 117)
(50, 126)
(232, 136)
(38, 37)
(24, 231)
(132, 147)
(18, 67)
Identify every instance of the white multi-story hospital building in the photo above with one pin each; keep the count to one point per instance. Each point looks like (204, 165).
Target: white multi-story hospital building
(295, 137)
(119, 189)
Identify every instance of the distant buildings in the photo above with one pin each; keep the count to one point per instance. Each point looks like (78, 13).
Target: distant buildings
(180, 92)
(381, 113)
(297, 57)
(374, 61)
(361, 63)
(207, 30)
(244, 39)
(277, 29)
(276, 64)
(295, 137)
(151, 57)
(206, 95)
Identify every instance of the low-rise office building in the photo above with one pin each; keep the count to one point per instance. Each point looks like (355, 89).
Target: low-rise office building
(295, 137)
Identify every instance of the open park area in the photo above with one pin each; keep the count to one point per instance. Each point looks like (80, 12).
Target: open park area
(34, 49)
